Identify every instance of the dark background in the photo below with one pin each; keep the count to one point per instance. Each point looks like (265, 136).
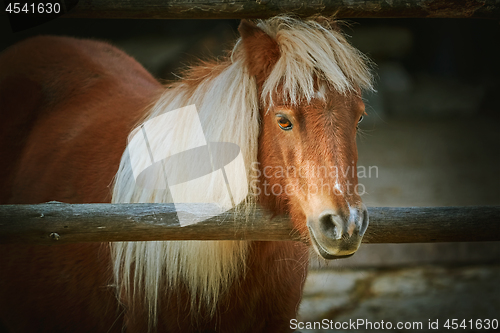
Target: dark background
(432, 131)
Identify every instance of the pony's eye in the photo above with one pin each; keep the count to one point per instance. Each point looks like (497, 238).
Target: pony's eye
(284, 123)
(360, 120)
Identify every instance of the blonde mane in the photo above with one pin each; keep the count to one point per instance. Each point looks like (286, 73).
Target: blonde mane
(227, 101)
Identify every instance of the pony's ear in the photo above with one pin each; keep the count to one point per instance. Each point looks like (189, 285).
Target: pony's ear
(262, 52)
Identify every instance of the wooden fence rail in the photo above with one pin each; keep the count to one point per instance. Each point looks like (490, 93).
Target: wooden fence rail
(224, 9)
(58, 223)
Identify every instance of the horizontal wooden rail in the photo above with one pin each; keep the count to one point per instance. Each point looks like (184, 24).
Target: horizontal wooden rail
(57, 223)
(224, 9)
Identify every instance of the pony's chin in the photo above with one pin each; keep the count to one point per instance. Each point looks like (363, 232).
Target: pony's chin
(328, 255)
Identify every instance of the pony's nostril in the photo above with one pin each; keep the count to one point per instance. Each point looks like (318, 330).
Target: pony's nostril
(330, 226)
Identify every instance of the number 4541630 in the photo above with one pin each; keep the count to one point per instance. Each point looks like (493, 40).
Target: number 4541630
(478, 324)
(33, 8)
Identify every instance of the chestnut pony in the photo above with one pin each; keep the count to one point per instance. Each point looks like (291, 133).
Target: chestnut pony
(288, 95)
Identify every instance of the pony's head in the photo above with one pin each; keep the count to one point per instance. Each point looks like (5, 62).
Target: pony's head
(309, 80)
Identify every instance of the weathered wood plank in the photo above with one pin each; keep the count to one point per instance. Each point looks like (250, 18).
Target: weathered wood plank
(224, 9)
(56, 223)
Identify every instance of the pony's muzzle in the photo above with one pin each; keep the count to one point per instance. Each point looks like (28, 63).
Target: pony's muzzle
(336, 236)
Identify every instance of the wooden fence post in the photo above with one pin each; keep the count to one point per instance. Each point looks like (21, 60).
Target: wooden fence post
(56, 223)
(223, 9)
